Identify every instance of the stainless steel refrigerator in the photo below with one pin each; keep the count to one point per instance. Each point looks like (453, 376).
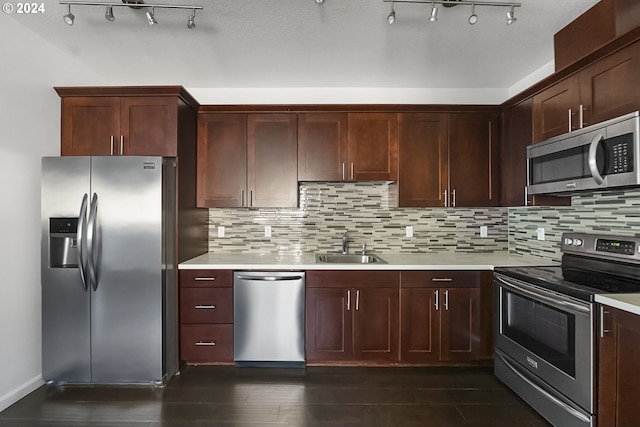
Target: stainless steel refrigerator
(109, 270)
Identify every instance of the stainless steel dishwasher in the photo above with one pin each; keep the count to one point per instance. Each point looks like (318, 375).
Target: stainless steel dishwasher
(268, 325)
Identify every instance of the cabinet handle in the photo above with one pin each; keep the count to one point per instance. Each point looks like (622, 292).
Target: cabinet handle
(349, 300)
(113, 144)
(352, 174)
(357, 299)
(570, 115)
(437, 299)
(206, 343)
(446, 198)
(205, 279)
(602, 329)
(343, 171)
(441, 279)
(250, 198)
(446, 300)
(453, 197)
(583, 123)
(121, 145)
(526, 196)
(242, 198)
(205, 307)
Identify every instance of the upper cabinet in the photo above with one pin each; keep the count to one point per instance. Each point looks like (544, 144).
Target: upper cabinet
(601, 91)
(121, 121)
(247, 160)
(347, 147)
(448, 160)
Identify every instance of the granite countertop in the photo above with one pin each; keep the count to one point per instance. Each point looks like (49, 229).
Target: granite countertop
(626, 302)
(430, 261)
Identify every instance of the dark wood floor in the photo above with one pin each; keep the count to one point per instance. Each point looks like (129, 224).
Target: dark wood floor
(224, 396)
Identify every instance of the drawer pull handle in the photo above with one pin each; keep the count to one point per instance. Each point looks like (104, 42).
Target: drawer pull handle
(206, 279)
(441, 279)
(205, 307)
(206, 343)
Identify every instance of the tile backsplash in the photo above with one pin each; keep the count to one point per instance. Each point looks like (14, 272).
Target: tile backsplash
(368, 212)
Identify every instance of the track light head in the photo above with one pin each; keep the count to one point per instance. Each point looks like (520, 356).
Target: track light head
(511, 17)
(473, 18)
(69, 18)
(191, 23)
(434, 13)
(392, 17)
(151, 17)
(319, 1)
(108, 15)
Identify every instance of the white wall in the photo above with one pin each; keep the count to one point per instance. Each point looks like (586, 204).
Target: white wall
(29, 129)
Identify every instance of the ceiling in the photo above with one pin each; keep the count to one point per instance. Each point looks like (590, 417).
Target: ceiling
(298, 43)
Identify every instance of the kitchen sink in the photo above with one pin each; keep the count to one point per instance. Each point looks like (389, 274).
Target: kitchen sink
(349, 259)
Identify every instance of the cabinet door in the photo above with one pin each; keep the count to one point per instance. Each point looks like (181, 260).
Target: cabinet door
(419, 326)
(375, 325)
(517, 134)
(460, 329)
(423, 159)
(222, 160)
(619, 370)
(473, 160)
(322, 146)
(552, 108)
(373, 146)
(272, 160)
(149, 126)
(608, 88)
(329, 334)
(90, 125)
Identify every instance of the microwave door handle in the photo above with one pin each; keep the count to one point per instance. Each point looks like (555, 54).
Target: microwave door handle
(593, 164)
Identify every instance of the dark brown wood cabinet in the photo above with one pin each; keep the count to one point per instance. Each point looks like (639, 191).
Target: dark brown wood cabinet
(445, 317)
(97, 124)
(603, 90)
(206, 316)
(372, 146)
(322, 147)
(247, 160)
(352, 316)
(448, 160)
(618, 369)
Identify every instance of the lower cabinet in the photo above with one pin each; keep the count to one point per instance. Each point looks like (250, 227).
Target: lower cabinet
(206, 316)
(445, 317)
(352, 316)
(618, 369)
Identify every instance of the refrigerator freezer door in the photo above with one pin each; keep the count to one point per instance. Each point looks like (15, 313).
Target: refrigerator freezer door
(66, 348)
(127, 304)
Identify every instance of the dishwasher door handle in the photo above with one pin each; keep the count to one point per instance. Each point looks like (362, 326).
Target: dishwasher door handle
(269, 278)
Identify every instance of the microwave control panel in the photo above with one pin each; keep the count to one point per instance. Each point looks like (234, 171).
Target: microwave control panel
(619, 154)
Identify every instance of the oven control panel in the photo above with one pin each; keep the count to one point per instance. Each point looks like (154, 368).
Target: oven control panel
(615, 247)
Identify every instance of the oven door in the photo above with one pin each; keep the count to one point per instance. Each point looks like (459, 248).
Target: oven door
(548, 336)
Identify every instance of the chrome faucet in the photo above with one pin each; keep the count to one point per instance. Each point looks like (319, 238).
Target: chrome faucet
(345, 242)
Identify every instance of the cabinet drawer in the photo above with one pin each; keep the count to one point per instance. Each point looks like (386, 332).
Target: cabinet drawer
(206, 305)
(353, 278)
(206, 278)
(440, 279)
(206, 343)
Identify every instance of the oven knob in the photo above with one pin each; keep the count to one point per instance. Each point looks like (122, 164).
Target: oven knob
(568, 241)
(577, 242)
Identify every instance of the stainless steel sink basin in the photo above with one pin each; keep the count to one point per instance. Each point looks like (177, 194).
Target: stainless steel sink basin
(349, 259)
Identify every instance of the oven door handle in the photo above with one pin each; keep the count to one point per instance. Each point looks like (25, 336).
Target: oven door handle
(523, 288)
(574, 412)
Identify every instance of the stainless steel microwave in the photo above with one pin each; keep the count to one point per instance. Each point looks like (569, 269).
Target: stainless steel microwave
(598, 157)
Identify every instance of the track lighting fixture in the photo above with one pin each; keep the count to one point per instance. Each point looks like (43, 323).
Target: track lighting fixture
(191, 23)
(109, 14)
(132, 4)
(511, 17)
(69, 18)
(434, 13)
(151, 16)
(319, 1)
(473, 18)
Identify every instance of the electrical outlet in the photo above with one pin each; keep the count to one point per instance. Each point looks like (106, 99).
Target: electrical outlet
(484, 231)
(220, 231)
(267, 231)
(409, 231)
(540, 233)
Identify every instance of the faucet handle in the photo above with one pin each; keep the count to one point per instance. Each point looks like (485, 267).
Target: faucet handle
(364, 248)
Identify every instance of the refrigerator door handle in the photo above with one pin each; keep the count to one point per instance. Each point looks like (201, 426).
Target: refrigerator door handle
(91, 242)
(81, 232)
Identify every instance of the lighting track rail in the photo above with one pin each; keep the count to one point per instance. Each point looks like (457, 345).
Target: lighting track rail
(433, 16)
(69, 18)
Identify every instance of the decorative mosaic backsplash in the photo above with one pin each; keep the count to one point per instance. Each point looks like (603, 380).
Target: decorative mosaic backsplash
(367, 211)
(612, 212)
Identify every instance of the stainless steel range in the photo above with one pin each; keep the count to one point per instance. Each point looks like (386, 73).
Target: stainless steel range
(546, 324)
